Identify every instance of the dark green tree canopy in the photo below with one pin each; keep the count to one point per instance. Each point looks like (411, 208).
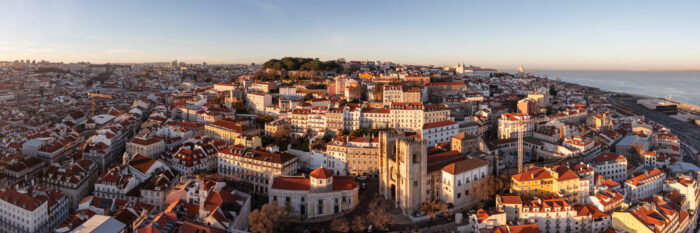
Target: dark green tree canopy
(304, 64)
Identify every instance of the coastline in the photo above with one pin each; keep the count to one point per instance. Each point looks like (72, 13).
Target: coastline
(688, 107)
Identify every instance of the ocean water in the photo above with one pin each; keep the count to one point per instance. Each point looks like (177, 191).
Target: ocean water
(681, 86)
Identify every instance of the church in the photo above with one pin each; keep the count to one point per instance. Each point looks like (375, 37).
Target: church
(403, 170)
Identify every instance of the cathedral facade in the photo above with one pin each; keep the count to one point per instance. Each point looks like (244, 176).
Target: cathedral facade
(403, 171)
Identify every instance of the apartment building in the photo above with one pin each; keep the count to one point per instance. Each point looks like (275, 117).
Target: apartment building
(254, 166)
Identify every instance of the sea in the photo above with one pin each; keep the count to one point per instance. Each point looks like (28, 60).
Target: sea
(679, 85)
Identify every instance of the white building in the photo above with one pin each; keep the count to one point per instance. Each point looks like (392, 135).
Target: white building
(439, 132)
(254, 166)
(392, 93)
(460, 180)
(288, 92)
(556, 215)
(322, 194)
(644, 185)
(259, 86)
(687, 186)
(32, 209)
(509, 123)
(612, 166)
(149, 146)
(258, 101)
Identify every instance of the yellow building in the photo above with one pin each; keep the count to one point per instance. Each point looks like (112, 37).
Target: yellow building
(543, 182)
(629, 223)
(228, 130)
(248, 141)
(276, 127)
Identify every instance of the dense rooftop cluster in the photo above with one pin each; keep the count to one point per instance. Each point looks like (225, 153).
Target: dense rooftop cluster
(175, 147)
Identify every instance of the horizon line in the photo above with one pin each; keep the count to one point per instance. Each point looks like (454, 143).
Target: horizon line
(260, 63)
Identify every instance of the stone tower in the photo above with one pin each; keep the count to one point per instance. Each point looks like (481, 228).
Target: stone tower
(403, 170)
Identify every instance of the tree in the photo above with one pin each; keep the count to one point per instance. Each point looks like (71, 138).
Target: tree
(318, 145)
(261, 120)
(378, 215)
(637, 149)
(274, 64)
(208, 80)
(340, 225)
(363, 132)
(308, 96)
(378, 91)
(312, 65)
(433, 207)
(220, 101)
(268, 219)
(342, 102)
(358, 224)
(239, 106)
(316, 86)
(553, 91)
(488, 187)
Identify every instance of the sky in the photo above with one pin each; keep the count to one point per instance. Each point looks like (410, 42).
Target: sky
(580, 35)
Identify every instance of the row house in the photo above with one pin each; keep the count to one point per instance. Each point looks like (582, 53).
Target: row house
(254, 166)
(22, 168)
(149, 146)
(27, 209)
(197, 155)
(439, 132)
(75, 181)
(510, 123)
(358, 154)
(611, 165)
(644, 185)
(544, 182)
(554, 215)
(606, 200)
(652, 215)
(228, 130)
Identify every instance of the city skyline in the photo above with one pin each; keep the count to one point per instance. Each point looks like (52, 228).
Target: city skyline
(540, 35)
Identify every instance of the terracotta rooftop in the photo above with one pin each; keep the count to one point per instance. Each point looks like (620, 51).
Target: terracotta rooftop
(321, 173)
(463, 166)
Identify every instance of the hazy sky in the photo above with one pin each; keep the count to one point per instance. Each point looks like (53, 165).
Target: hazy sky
(637, 35)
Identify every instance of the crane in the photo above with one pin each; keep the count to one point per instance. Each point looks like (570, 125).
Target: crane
(520, 146)
(521, 123)
(97, 95)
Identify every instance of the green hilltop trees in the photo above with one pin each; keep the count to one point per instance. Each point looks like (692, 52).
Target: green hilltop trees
(303, 64)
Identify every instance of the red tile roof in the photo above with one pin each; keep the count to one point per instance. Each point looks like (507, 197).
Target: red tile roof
(291, 183)
(344, 183)
(463, 166)
(608, 156)
(640, 178)
(439, 124)
(321, 173)
(141, 163)
(511, 199)
(535, 173)
(584, 210)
